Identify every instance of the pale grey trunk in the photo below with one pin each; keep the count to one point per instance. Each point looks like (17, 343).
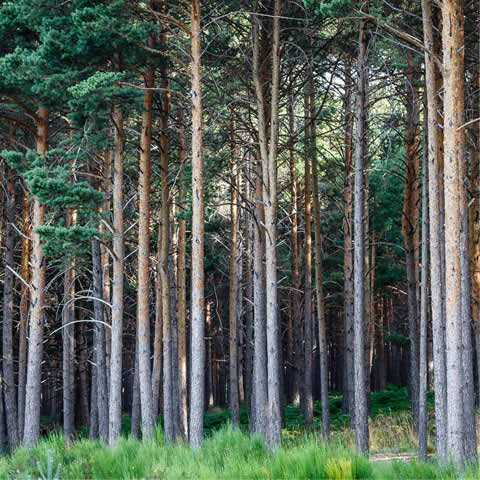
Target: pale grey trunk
(435, 229)
(174, 324)
(469, 427)
(260, 333)
(360, 397)
(233, 391)
(115, 391)
(100, 367)
(322, 328)
(93, 423)
(197, 384)
(348, 405)
(68, 352)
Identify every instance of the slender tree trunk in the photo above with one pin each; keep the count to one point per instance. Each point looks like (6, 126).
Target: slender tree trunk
(168, 378)
(7, 326)
(136, 409)
(83, 395)
(452, 38)
(198, 216)
(233, 278)
(143, 292)
(422, 392)
(410, 225)
(381, 357)
(248, 279)
(259, 307)
(348, 249)
(174, 341)
(93, 422)
(158, 334)
(35, 338)
(115, 391)
(322, 330)
(99, 342)
(434, 196)
(361, 404)
(469, 427)
(99, 403)
(182, 293)
(24, 307)
(3, 433)
(296, 321)
(307, 322)
(268, 157)
(68, 342)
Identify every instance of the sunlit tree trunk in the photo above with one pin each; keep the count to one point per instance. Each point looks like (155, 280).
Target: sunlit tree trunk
(182, 293)
(35, 338)
(198, 219)
(453, 55)
(143, 292)
(115, 391)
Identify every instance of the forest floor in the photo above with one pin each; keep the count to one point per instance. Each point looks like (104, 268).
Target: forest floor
(232, 454)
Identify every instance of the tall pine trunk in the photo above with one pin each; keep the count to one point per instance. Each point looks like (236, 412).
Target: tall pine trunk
(143, 292)
(410, 225)
(269, 195)
(424, 308)
(24, 307)
(435, 234)
(453, 54)
(296, 321)
(198, 219)
(35, 339)
(307, 318)
(182, 293)
(233, 279)
(68, 342)
(322, 329)
(360, 397)
(115, 391)
(348, 249)
(168, 361)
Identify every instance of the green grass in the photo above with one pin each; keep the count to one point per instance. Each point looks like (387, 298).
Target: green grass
(226, 454)
(232, 454)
